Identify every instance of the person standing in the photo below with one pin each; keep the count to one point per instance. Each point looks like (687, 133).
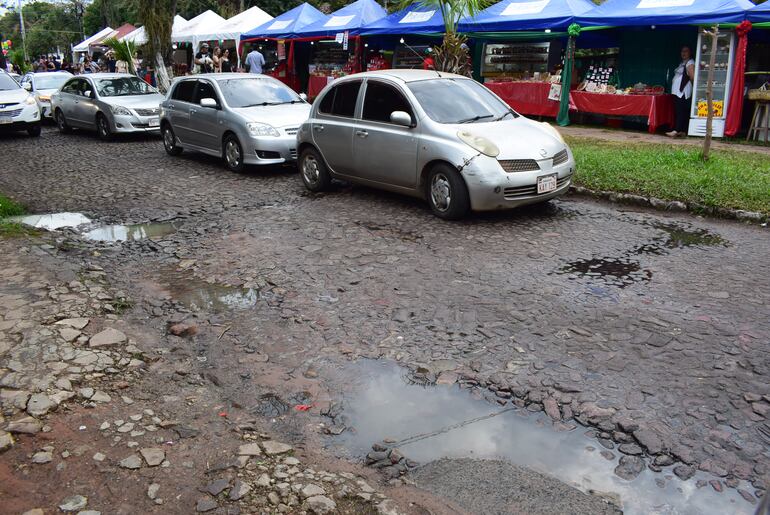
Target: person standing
(681, 88)
(225, 63)
(203, 61)
(217, 58)
(255, 60)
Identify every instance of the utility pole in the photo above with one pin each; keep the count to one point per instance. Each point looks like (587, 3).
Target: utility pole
(23, 32)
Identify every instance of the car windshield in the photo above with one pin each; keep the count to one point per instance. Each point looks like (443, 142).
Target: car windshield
(459, 101)
(51, 81)
(6, 83)
(248, 92)
(123, 86)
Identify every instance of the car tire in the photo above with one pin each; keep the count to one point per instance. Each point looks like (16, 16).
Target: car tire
(103, 127)
(35, 130)
(61, 122)
(232, 153)
(313, 170)
(170, 141)
(447, 193)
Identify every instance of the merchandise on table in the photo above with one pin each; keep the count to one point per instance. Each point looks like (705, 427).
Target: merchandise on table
(520, 60)
(330, 59)
(409, 57)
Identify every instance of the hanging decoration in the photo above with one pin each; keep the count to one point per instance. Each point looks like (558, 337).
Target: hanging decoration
(735, 104)
(566, 75)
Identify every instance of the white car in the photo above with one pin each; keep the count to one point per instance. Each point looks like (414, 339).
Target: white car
(18, 109)
(43, 85)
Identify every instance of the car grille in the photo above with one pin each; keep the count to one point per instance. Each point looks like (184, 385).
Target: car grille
(519, 165)
(293, 153)
(152, 111)
(560, 157)
(3, 106)
(291, 131)
(531, 190)
(12, 113)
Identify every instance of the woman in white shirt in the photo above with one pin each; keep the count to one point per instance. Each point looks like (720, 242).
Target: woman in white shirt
(681, 88)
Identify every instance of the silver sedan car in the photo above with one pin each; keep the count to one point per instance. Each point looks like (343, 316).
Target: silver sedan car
(42, 85)
(243, 118)
(438, 136)
(110, 103)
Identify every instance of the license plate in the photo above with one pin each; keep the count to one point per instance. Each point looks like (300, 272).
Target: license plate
(6, 119)
(154, 122)
(546, 183)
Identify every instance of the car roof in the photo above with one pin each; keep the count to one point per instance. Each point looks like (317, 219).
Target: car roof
(106, 75)
(409, 75)
(43, 74)
(231, 75)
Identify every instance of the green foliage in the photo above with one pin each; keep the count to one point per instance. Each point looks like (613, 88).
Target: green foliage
(730, 178)
(124, 51)
(9, 208)
(109, 13)
(452, 11)
(48, 26)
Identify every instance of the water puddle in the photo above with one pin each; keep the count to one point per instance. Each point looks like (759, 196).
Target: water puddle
(52, 221)
(679, 236)
(617, 272)
(115, 233)
(430, 422)
(213, 297)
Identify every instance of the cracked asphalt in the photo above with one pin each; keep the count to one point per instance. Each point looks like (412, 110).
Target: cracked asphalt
(651, 329)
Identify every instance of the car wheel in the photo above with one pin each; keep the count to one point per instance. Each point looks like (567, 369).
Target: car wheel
(233, 153)
(34, 131)
(447, 193)
(61, 122)
(103, 127)
(169, 141)
(314, 173)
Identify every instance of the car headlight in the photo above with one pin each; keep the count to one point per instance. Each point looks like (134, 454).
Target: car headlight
(120, 111)
(479, 143)
(44, 98)
(30, 100)
(552, 131)
(261, 129)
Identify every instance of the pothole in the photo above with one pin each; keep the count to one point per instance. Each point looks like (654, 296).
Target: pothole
(133, 232)
(429, 423)
(213, 297)
(52, 221)
(618, 271)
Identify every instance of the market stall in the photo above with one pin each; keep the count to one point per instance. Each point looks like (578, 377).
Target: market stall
(139, 36)
(84, 46)
(232, 29)
(197, 28)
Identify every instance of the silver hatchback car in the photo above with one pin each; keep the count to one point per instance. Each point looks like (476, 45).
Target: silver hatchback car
(243, 118)
(438, 136)
(111, 103)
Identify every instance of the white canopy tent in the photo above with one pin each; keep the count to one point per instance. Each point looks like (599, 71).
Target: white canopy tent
(203, 24)
(83, 45)
(139, 36)
(235, 26)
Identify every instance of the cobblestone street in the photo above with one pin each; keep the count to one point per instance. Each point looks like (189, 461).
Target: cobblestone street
(648, 330)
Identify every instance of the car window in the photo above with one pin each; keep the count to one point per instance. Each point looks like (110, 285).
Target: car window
(381, 100)
(184, 91)
(247, 92)
(7, 83)
(83, 86)
(71, 87)
(51, 81)
(458, 101)
(205, 90)
(123, 86)
(343, 101)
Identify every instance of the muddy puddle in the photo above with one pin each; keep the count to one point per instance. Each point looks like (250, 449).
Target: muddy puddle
(117, 233)
(52, 221)
(200, 295)
(617, 272)
(430, 422)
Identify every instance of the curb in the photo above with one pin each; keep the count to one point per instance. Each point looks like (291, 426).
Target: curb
(673, 205)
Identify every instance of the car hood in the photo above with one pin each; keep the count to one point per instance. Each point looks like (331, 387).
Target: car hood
(135, 101)
(48, 92)
(517, 138)
(13, 96)
(284, 115)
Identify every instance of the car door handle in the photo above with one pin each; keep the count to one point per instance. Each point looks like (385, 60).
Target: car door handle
(192, 111)
(318, 128)
(362, 134)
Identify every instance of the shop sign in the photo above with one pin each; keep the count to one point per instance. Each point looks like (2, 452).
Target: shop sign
(517, 8)
(339, 21)
(279, 24)
(658, 4)
(417, 17)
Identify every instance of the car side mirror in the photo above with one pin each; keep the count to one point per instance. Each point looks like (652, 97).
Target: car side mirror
(88, 93)
(208, 102)
(27, 86)
(401, 118)
(303, 96)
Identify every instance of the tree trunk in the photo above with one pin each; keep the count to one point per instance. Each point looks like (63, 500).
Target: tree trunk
(162, 79)
(710, 92)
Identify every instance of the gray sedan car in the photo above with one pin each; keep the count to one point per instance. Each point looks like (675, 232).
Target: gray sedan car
(438, 136)
(42, 85)
(110, 103)
(243, 118)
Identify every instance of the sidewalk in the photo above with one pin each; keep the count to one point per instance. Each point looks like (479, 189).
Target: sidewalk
(607, 134)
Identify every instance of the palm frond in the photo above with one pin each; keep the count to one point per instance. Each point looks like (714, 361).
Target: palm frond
(124, 51)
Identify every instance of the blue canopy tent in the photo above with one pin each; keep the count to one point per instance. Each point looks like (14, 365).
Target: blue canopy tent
(415, 19)
(627, 13)
(760, 14)
(283, 26)
(518, 15)
(350, 19)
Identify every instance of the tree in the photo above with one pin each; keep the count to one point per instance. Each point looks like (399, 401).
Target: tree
(452, 55)
(49, 26)
(109, 13)
(124, 51)
(157, 16)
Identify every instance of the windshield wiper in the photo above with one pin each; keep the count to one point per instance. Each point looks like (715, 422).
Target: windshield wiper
(272, 103)
(476, 118)
(503, 115)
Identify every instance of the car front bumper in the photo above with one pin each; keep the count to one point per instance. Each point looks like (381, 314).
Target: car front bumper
(133, 123)
(270, 150)
(45, 109)
(491, 188)
(20, 117)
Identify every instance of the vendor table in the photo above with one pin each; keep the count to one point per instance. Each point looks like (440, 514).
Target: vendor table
(316, 83)
(531, 99)
(658, 109)
(527, 98)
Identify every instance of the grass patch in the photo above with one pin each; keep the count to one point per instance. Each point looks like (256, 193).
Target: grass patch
(730, 179)
(9, 208)
(12, 229)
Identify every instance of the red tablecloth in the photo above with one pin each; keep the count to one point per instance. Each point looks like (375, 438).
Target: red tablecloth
(315, 84)
(527, 98)
(531, 98)
(659, 109)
